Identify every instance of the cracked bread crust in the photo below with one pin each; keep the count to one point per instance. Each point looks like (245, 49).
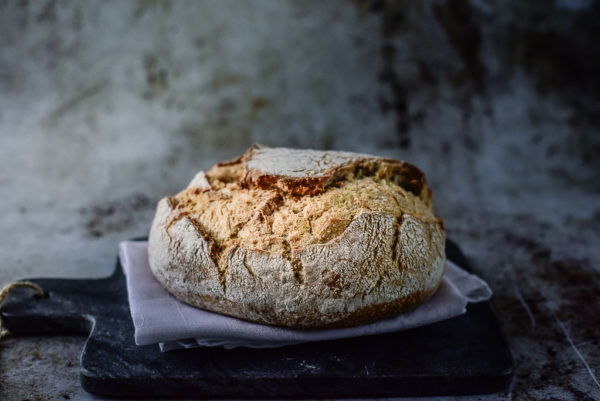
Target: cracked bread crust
(300, 238)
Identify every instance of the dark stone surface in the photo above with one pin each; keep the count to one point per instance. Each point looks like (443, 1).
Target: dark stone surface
(464, 355)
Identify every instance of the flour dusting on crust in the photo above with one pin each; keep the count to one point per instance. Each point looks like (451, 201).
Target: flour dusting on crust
(301, 238)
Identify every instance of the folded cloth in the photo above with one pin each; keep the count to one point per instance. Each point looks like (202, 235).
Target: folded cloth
(161, 318)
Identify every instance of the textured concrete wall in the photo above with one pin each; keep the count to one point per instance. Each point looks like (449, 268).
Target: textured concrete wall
(106, 106)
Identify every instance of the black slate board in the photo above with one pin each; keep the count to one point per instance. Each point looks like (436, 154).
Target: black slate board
(464, 355)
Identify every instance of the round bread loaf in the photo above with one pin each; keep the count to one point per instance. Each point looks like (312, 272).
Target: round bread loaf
(301, 238)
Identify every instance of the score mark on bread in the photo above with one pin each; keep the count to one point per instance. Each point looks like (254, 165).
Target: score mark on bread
(301, 238)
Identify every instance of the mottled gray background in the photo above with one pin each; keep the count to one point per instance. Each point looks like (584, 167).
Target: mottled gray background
(106, 106)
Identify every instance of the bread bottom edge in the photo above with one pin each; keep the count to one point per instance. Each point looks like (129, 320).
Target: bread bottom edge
(302, 321)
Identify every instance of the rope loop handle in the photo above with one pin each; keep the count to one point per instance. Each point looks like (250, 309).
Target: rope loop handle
(39, 292)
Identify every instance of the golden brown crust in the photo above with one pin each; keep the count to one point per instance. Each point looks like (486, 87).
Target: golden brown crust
(402, 173)
(302, 239)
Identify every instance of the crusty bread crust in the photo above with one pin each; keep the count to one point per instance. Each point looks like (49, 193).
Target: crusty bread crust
(301, 239)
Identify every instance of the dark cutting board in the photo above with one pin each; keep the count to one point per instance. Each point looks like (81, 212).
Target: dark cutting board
(464, 355)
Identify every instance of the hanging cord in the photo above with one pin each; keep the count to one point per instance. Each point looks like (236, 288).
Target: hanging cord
(7, 289)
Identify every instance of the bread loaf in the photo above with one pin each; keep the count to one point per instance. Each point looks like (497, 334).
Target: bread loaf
(304, 239)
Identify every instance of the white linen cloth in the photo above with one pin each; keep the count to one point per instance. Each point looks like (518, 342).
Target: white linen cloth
(160, 318)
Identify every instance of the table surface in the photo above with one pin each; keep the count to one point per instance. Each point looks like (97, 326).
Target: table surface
(107, 107)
